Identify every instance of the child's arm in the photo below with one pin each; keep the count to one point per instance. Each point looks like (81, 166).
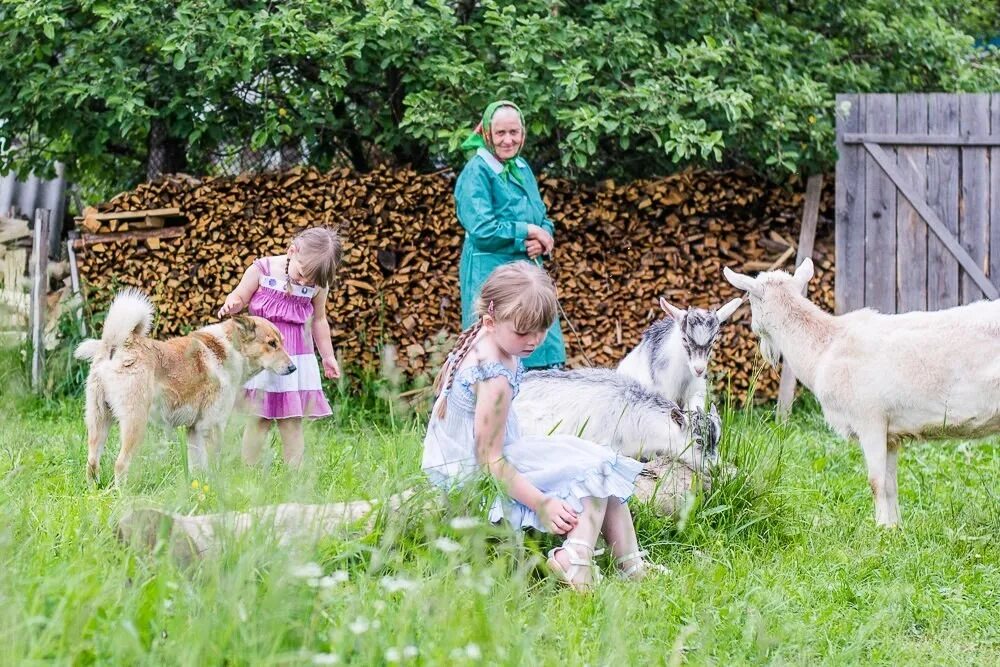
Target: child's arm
(321, 334)
(493, 399)
(240, 296)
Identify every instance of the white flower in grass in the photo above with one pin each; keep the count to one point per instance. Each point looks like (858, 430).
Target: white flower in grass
(393, 655)
(472, 651)
(307, 571)
(333, 579)
(379, 605)
(359, 625)
(325, 659)
(394, 584)
(410, 652)
(447, 545)
(464, 522)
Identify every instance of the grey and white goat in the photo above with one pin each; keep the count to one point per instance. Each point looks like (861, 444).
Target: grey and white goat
(606, 407)
(672, 356)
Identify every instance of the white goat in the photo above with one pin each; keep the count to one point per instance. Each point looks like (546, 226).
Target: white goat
(606, 407)
(883, 379)
(672, 356)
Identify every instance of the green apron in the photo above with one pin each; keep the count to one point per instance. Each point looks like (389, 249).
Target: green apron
(495, 213)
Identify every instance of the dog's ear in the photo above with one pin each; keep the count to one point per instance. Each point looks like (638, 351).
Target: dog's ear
(246, 329)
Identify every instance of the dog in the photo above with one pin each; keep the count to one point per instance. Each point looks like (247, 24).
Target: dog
(191, 381)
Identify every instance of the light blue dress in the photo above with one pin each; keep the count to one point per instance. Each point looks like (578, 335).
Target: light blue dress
(562, 466)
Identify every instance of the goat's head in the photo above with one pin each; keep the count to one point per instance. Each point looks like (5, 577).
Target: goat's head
(706, 432)
(699, 328)
(766, 292)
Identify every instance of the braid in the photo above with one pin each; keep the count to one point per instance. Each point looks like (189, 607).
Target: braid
(458, 353)
(288, 276)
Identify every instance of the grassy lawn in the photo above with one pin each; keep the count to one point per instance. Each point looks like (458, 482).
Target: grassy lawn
(781, 565)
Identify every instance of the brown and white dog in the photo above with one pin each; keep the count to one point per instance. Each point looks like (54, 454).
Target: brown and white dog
(191, 381)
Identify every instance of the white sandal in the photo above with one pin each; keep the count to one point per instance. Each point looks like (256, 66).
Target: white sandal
(640, 569)
(576, 562)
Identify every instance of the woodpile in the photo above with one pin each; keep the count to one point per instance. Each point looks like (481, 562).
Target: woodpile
(618, 248)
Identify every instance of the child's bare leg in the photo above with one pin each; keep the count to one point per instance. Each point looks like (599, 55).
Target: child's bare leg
(254, 436)
(292, 441)
(619, 531)
(588, 528)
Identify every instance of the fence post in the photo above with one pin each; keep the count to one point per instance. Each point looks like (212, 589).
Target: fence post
(74, 275)
(807, 237)
(39, 292)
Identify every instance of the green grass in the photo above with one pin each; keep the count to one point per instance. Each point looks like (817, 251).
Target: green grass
(781, 564)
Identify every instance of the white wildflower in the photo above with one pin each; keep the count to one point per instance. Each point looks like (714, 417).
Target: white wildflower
(464, 522)
(379, 605)
(325, 659)
(410, 652)
(472, 651)
(333, 579)
(394, 584)
(393, 655)
(307, 571)
(359, 625)
(447, 545)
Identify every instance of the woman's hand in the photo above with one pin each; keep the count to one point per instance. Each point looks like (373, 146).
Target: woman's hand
(557, 516)
(536, 233)
(331, 368)
(533, 247)
(234, 304)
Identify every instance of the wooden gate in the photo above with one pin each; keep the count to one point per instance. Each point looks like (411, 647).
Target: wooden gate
(917, 201)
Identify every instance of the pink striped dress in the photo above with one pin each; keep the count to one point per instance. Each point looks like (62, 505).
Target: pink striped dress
(299, 394)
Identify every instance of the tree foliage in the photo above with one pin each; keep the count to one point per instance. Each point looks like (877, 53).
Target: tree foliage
(617, 88)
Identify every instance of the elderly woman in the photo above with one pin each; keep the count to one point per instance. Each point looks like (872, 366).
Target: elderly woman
(498, 204)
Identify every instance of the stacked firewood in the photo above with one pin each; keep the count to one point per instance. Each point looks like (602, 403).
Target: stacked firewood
(618, 248)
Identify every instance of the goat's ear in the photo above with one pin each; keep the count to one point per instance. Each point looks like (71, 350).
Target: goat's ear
(714, 411)
(725, 311)
(671, 310)
(677, 415)
(741, 281)
(804, 273)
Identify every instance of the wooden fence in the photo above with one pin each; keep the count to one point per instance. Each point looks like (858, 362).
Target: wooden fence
(917, 201)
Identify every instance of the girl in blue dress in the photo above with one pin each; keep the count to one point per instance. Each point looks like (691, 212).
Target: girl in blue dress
(558, 483)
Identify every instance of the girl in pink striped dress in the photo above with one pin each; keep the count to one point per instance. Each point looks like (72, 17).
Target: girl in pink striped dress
(290, 291)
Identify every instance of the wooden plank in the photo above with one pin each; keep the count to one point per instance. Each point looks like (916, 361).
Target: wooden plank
(807, 238)
(131, 215)
(942, 199)
(995, 192)
(917, 139)
(937, 226)
(880, 213)
(139, 235)
(973, 212)
(911, 231)
(39, 291)
(850, 207)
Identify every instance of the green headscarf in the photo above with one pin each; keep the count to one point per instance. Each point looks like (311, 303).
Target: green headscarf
(482, 138)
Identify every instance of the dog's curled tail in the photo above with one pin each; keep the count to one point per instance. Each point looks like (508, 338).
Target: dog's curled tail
(131, 314)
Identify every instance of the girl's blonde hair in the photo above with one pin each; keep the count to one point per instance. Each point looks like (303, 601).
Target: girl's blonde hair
(520, 293)
(319, 254)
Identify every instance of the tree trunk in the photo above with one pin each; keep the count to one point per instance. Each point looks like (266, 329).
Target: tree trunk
(167, 155)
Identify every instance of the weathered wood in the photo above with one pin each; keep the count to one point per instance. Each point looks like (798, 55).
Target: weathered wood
(39, 290)
(936, 225)
(850, 207)
(995, 192)
(139, 235)
(942, 199)
(917, 139)
(911, 257)
(974, 210)
(74, 278)
(807, 239)
(880, 213)
(133, 215)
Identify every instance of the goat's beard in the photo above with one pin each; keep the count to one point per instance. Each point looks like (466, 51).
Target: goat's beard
(767, 350)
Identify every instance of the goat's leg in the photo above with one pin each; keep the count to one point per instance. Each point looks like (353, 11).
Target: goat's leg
(891, 461)
(197, 456)
(873, 444)
(133, 430)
